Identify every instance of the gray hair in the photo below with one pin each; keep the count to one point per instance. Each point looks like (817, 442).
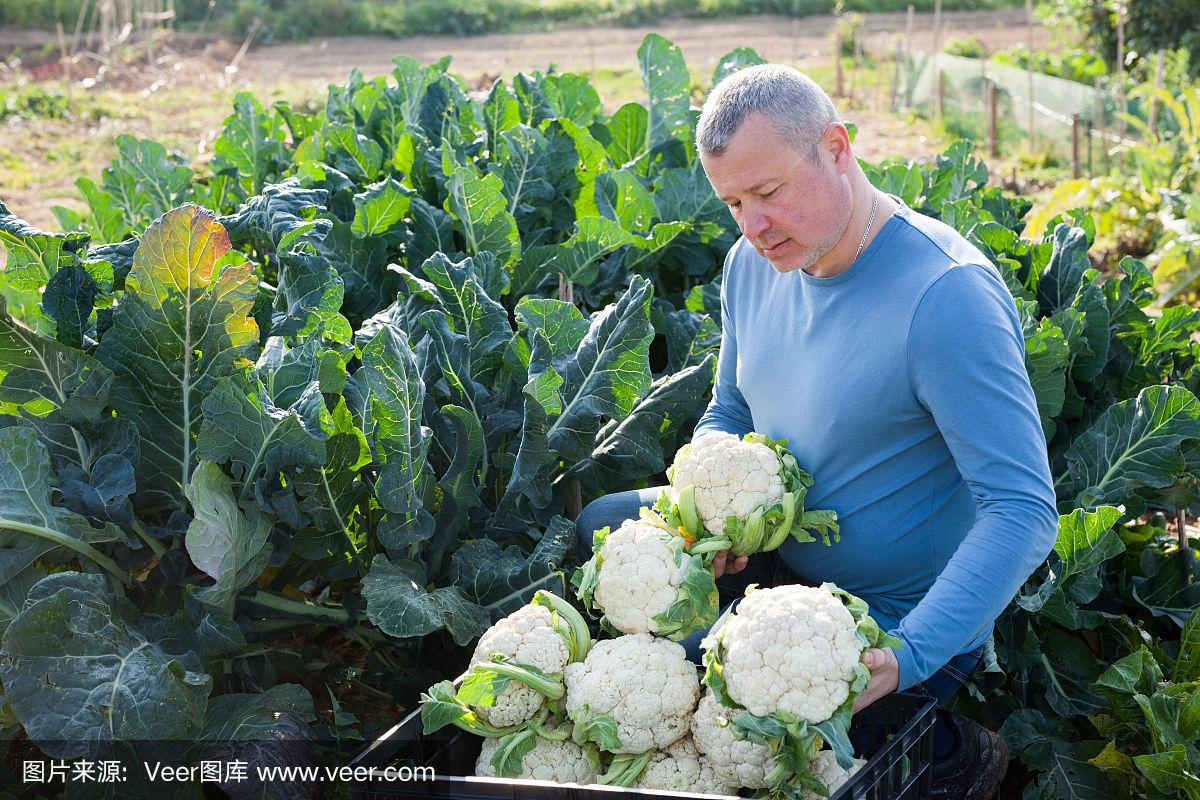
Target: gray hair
(797, 106)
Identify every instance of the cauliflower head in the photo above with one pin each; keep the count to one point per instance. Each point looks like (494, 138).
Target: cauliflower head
(644, 685)
(549, 760)
(792, 654)
(517, 666)
(825, 768)
(644, 581)
(744, 494)
(742, 762)
(526, 636)
(733, 477)
(682, 768)
(793, 649)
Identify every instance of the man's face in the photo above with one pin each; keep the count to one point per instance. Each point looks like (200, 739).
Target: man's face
(792, 210)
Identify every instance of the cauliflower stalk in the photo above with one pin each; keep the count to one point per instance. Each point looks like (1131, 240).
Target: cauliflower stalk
(632, 694)
(517, 665)
(540, 753)
(740, 494)
(789, 658)
(644, 581)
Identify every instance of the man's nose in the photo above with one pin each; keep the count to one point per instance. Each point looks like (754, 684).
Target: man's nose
(754, 224)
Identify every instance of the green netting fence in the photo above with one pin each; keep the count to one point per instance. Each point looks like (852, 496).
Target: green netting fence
(1060, 117)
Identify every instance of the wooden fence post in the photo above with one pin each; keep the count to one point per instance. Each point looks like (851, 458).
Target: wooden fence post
(941, 94)
(1074, 145)
(993, 114)
(1100, 123)
(1090, 171)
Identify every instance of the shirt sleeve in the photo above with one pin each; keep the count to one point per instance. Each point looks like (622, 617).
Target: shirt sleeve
(728, 410)
(966, 364)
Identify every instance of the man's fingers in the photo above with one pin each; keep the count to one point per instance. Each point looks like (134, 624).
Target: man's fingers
(722, 564)
(718, 563)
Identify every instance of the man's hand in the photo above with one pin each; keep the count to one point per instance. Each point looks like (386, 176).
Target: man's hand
(885, 676)
(720, 567)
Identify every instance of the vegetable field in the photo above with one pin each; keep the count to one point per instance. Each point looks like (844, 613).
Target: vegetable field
(279, 439)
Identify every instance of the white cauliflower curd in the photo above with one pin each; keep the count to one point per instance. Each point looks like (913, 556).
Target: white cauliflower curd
(526, 636)
(742, 762)
(643, 580)
(790, 656)
(549, 760)
(792, 649)
(733, 478)
(643, 686)
(682, 768)
(742, 494)
(517, 666)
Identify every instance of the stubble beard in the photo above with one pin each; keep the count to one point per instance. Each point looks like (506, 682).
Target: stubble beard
(826, 245)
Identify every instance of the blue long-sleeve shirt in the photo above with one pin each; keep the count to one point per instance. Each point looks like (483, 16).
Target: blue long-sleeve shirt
(900, 385)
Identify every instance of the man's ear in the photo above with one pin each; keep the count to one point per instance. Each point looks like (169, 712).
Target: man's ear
(836, 141)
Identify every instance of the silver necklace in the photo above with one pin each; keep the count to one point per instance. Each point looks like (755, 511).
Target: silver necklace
(870, 222)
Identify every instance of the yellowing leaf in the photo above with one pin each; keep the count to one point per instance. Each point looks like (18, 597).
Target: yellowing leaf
(180, 328)
(1112, 760)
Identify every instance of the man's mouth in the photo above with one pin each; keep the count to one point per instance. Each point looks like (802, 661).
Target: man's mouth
(775, 248)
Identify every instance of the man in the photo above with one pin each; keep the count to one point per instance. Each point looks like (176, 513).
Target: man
(887, 351)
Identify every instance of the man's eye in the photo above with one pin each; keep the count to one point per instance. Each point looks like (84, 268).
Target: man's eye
(734, 206)
(772, 192)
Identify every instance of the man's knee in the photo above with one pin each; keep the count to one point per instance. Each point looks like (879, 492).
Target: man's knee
(605, 511)
(590, 519)
(609, 511)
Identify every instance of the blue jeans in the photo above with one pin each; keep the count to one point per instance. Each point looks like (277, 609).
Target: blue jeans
(765, 569)
(943, 684)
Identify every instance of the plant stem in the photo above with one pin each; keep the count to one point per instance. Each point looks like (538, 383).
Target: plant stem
(272, 625)
(150, 541)
(262, 651)
(275, 602)
(710, 546)
(71, 543)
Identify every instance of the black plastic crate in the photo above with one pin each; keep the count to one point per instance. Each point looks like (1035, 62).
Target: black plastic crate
(896, 729)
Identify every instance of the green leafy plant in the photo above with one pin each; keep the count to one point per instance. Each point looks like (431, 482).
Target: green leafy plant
(333, 399)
